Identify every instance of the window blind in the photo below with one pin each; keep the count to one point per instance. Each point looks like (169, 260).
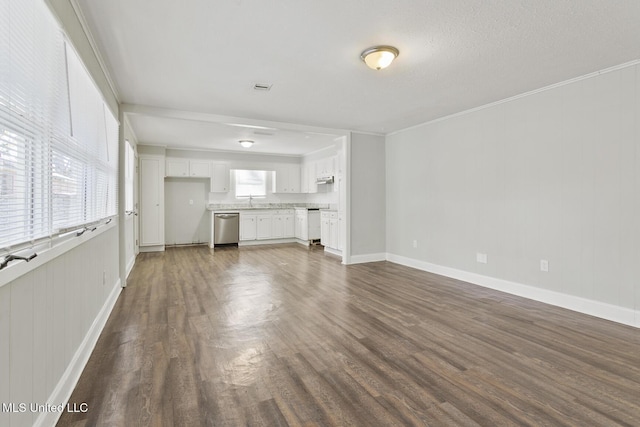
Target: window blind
(58, 141)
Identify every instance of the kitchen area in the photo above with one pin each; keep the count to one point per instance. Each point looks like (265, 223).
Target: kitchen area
(222, 199)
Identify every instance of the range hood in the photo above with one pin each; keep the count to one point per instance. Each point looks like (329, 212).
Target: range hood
(325, 180)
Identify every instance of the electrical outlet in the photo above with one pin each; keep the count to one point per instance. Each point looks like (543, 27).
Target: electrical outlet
(190, 202)
(544, 265)
(415, 243)
(481, 258)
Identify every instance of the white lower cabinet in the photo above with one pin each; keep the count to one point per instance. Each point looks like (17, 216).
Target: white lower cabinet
(264, 226)
(330, 223)
(282, 226)
(289, 226)
(301, 227)
(324, 229)
(333, 232)
(248, 230)
(277, 227)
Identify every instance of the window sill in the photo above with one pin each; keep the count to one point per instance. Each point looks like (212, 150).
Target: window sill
(48, 251)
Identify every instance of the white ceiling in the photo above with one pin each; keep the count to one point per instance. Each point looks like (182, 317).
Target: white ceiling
(212, 135)
(204, 56)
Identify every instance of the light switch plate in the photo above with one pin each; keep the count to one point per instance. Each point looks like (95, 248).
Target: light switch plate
(544, 265)
(481, 258)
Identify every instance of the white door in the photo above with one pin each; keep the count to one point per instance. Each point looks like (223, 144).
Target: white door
(151, 218)
(130, 232)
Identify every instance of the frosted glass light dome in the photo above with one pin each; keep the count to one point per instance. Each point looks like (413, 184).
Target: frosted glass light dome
(379, 57)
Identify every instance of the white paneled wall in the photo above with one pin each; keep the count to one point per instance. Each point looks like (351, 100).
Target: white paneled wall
(49, 321)
(553, 175)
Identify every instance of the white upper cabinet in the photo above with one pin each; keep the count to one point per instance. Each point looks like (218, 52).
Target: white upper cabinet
(220, 178)
(286, 179)
(295, 179)
(325, 167)
(199, 169)
(188, 168)
(304, 179)
(312, 187)
(177, 167)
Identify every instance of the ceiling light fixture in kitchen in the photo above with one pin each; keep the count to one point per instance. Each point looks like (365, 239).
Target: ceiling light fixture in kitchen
(246, 143)
(379, 57)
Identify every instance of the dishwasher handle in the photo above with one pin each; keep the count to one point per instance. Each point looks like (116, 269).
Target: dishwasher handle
(226, 216)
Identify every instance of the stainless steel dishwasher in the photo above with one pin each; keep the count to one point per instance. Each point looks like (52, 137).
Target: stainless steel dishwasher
(226, 228)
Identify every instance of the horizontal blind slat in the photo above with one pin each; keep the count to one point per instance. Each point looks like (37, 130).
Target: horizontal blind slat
(50, 177)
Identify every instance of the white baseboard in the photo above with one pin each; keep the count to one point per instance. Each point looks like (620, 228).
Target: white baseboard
(266, 242)
(603, 310)
(156, 248)
(360, 259)
(130, 265)
(62, 392)
(332, 251)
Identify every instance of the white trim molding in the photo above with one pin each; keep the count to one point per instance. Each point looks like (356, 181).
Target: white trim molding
(602, 310)
(361, 259)
(522, 95)
(94, 47)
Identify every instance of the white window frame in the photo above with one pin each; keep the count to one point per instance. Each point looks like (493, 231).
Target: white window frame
(50, 104)
(258, 174)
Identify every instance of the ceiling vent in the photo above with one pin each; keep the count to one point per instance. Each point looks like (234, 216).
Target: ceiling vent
(265, 87)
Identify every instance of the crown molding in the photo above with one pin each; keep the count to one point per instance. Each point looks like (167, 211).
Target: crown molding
(94, 47)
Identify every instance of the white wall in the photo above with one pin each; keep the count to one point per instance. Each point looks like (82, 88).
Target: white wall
(50, 319)
(368, 196)
(186, 222)
(554, 175)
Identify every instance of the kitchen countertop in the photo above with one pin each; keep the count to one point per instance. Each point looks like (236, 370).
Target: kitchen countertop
(263, 206)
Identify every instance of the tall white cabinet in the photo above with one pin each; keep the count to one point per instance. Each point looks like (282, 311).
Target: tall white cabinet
(220, 178)
(151, 203)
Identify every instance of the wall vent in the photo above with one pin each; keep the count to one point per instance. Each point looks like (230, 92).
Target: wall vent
(262, 86)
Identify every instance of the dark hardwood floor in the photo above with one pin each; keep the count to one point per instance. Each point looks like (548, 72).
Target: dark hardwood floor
(284, 335)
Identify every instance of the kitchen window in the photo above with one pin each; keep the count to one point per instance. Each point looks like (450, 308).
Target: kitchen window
(250, 183)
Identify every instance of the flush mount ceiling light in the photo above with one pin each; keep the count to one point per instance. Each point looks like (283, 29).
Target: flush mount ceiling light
(379, 57)
(246, 143)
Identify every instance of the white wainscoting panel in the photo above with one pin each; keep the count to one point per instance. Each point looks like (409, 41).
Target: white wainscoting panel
(50, 320)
